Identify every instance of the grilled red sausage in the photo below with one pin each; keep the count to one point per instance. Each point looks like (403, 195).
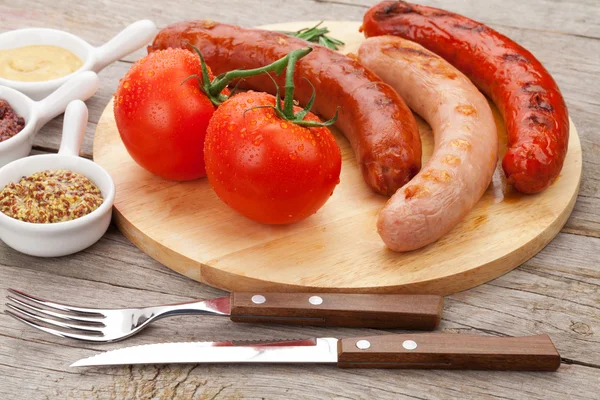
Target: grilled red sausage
(374, 118)
(532, 106)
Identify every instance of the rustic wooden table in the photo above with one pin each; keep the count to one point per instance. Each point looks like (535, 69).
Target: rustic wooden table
(557, 292)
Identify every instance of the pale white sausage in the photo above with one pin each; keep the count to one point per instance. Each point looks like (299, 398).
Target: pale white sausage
(466, 142)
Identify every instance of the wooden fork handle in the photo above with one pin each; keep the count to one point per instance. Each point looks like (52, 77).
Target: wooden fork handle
(449, 351)
(422, 312)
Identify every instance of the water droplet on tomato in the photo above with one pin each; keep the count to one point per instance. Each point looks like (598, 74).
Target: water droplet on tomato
(293, 155)
(250, 100)
(258, 140)
(126, 84)
(301, 147)
(283, 125)
(151, 73)
(231, 128)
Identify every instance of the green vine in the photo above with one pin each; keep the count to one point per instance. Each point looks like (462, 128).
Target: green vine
(212, 89)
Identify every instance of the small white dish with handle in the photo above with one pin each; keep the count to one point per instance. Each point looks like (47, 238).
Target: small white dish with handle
(132, 38)
(38, 113)
(61, 238)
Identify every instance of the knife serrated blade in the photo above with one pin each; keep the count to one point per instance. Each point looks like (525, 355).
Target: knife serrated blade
(320, 350)
(425, 350)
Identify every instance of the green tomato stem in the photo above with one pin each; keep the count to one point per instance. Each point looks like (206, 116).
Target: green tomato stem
(288, 104)
(213, 89)
(221, 82)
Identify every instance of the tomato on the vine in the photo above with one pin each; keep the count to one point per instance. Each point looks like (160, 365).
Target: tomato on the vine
(267, 168)
(163, 122)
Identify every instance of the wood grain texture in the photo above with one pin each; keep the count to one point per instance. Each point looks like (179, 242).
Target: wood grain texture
(187, 228)
(556, 292)
(542, 15)
(413, 312)
(449, 351)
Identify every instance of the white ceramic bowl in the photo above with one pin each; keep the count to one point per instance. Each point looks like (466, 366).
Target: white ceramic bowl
(94, 59)
(38, 113)
(61, 238)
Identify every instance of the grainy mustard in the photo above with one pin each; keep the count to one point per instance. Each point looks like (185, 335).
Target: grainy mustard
(50, 196)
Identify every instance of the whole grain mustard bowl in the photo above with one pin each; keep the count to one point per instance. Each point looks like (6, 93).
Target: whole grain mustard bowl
(60, 238)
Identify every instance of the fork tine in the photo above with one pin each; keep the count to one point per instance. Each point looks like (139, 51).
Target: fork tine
(53, 322)
(75, 318)
(51, 304)
(54, 331)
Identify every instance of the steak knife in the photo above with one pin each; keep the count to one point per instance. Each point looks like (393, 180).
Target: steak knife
(410, 351)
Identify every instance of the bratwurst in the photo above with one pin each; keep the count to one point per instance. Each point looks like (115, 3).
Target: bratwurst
(380, 127)
(466, 142)
(533, 108)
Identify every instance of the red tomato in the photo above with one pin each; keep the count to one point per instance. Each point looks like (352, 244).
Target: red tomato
(162, 122)
(268, 169)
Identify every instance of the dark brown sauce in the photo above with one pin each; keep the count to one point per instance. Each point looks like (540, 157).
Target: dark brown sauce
(11, 123)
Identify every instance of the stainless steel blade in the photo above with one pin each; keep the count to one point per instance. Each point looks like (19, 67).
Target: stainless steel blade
(218, 306)
(321, 350)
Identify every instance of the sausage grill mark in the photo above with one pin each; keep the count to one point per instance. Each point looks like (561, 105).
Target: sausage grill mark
(408, 50)
(514, 57)
(383, 101)
(461, 144)
(470, 27)
(540, 121)
(451, 160)
(532, 87)
(537, 102)
(415, 191)
(437, 176)
(466, 109)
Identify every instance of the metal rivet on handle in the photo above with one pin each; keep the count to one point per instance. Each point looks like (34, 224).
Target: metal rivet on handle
(409, 344)
(258, 299)
(363, 344)
(315, 300)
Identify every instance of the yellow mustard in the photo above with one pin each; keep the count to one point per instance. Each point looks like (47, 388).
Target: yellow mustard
(37, 63)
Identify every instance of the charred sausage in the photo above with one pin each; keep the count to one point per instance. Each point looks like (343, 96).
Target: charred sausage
(466, 142)
(380, 127)
(532, 105)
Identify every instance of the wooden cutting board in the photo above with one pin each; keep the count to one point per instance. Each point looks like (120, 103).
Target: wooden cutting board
(187, 228)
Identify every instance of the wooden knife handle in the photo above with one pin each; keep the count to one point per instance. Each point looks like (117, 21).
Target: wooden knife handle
(449, 351)
(422, 312)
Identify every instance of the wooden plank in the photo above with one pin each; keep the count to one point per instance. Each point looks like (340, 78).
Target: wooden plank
(557, 292)
(574, 17)
(280, 382)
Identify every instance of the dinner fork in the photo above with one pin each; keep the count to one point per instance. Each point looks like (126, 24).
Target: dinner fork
(421, 312)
